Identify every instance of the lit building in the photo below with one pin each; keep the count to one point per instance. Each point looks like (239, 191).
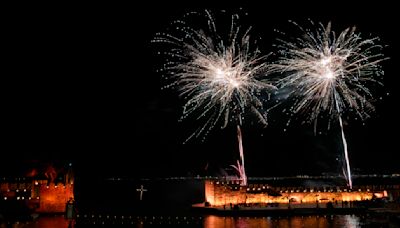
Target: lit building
(229, 192)
(37, 194)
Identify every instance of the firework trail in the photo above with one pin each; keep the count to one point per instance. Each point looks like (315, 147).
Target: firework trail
(330, 74)
(216, 75)
(240, 167)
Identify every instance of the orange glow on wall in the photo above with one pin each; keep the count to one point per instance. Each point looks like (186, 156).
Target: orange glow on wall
(54, 198)
(222, 193)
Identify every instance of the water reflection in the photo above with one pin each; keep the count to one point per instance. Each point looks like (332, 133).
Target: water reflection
(349, 221)
(210, 221)
(42, 222)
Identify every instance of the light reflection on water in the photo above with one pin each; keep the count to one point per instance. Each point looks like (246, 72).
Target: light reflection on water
(211, 221)
(349, 221)
(42, 222)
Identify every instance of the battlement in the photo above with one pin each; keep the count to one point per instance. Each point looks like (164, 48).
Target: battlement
(219, 193)
(37, 195)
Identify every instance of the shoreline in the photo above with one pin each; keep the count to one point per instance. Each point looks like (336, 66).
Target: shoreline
(292, 211)
(278, 211)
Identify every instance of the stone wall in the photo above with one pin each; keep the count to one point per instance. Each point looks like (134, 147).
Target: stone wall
(53, 198)
(220, 193)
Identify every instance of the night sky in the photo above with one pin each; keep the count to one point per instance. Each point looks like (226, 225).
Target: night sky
(80, 85)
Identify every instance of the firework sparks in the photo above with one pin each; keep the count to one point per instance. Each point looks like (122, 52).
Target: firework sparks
(330, 75)
(217, 77)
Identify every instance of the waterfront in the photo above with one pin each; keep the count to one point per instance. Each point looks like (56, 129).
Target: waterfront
(211, 221)
(55, 221)
(168, 203)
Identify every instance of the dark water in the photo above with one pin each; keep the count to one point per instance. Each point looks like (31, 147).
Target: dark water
(210, 221)
(348, 221)
(41, 222)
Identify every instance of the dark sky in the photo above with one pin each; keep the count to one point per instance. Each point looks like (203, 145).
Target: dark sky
(79, 84)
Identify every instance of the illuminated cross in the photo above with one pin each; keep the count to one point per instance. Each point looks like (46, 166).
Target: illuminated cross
(141, 190)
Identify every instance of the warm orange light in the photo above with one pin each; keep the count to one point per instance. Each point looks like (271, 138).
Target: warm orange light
(378, 195)
(218, 195)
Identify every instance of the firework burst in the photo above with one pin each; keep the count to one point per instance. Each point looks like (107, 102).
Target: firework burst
(330, 74)
(216, 75)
